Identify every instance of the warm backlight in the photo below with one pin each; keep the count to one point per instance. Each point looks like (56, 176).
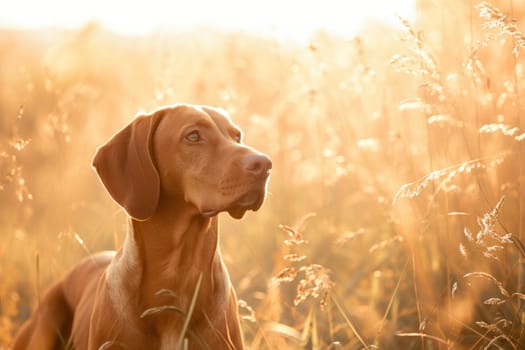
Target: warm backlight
(289, 19)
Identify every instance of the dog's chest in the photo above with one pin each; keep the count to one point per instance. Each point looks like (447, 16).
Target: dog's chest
(169, 341)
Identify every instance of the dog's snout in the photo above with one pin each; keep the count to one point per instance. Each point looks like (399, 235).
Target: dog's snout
(257, 164)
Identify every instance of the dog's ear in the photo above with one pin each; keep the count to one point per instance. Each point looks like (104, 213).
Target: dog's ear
(126, 167)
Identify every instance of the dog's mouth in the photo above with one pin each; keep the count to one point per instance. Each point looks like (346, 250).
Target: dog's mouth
(252, 200)
(244, 196)
(248, 199)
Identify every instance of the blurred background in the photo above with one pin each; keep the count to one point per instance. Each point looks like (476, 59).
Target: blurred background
(395, 218)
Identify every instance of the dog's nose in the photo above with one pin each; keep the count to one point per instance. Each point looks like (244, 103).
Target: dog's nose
(257, 164)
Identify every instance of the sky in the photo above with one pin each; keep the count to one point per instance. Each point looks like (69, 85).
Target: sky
(285, 18)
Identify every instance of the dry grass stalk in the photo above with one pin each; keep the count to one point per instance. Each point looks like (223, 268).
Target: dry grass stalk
(488, 240)
(315, 281)
(10, 170)
(494, 18)
(250, 316)
(445, 176)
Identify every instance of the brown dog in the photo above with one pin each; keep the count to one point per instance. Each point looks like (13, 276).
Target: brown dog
(172, 171)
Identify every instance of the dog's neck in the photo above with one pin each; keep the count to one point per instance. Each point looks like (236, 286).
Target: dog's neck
(174, 238)
(172, 249)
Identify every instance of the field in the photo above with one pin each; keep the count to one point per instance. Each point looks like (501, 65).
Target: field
(396, 212)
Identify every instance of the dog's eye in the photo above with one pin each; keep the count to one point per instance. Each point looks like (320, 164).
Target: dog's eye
(193, 136)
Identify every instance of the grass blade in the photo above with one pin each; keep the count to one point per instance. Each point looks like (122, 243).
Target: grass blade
(341, 309)
(190, 312)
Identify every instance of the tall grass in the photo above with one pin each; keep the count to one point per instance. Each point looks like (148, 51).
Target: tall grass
(407, 144)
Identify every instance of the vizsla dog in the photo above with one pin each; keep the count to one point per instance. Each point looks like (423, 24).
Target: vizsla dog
(172, 171)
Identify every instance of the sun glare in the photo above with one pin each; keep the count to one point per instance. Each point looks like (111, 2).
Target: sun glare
(395, 215)
(288, 19)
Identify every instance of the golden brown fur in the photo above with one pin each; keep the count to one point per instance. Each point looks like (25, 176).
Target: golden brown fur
(172, 171)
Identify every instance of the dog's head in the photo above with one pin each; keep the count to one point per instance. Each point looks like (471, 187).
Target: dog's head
(187, 155)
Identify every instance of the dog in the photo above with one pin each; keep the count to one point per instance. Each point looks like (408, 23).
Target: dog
(172, 170)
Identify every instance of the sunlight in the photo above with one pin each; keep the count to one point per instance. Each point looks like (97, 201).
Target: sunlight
(395, 215)
(285, 19)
